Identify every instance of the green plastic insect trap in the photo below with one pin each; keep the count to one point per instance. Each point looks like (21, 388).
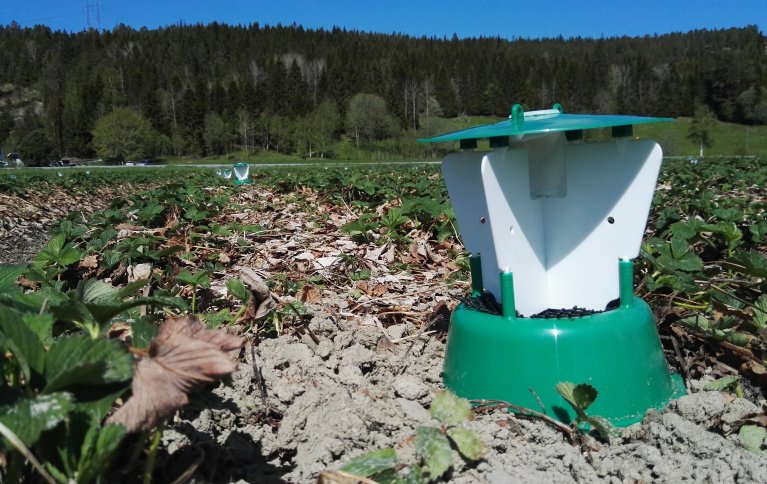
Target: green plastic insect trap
(241, 173)
(552, 224)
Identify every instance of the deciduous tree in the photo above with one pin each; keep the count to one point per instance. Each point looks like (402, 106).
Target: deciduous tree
(368, 119)
(123, 134)
(700, 128)
(216, 134)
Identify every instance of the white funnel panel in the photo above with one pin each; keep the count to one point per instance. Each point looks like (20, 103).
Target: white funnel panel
(558, 215)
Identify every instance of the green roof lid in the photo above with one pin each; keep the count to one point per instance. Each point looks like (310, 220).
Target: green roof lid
(546, 121)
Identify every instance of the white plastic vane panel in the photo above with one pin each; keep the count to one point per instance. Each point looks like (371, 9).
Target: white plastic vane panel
(557, 214)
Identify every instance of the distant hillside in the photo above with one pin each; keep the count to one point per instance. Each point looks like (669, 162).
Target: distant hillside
(215, 89)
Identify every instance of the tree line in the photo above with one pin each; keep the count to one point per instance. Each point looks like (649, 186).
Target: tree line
(213, 89)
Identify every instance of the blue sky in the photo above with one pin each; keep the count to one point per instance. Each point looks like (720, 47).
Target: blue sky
(508, 19)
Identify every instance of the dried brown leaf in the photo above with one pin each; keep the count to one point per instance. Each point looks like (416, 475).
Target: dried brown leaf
(388, 257)
(139, 271)
(262, 300)
(384, 344)
(755, 370)
(182, 357)
(308, 294)
(760, 419)
(89, 262)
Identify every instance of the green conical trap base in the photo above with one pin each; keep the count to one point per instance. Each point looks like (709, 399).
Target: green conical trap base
(618, 352)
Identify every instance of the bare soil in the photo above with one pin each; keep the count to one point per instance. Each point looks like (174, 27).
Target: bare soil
(329, 402)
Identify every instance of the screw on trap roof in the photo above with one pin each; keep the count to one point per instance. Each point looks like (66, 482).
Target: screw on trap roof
(552, 222)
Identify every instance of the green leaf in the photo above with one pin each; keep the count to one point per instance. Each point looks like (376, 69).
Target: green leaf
(41, 325)
(758, 231)
(69, 255)
(131, 289)
(759, 311)
(677, 255)
(727, 299)
(55, 472)
(217, 319)
(168, 251)
(432, 446)
(22, 342)
(143, 332)
(371, 463)
(33, 302)
(95, 290)
(448, 409)
(199, 278)
(684, 230)
(8, 275)
(56, 252)
(95, 456)
(752, 437)
(739, 338)
(49, 253)
(30, 417)
(102, 313)
(728, 215)
(237, 288)
(80, 360)
(601, 425)
(467, 442)
(697, 321)
(689, 262)
(723, 383)
(71, 310)
(754, 261)
(580, 396)
(150, 211)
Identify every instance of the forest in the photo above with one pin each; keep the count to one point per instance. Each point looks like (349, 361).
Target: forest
(212, 90)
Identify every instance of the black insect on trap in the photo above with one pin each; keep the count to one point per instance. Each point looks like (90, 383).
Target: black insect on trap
(552, 224)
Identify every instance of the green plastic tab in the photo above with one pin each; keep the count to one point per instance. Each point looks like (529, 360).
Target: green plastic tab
(475, 265)
(550, 121)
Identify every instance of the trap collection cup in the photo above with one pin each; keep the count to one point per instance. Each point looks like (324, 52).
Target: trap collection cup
(552, 223)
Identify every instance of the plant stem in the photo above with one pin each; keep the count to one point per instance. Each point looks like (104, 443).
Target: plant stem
(690, 306)
(16, 462)
(194, 297)
(527, 412)
(239, 313)
(152, 454)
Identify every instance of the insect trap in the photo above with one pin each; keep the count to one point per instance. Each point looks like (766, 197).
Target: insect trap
(552, 223)
(241, 173)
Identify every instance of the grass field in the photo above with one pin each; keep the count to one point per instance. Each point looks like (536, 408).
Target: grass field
(728, 139)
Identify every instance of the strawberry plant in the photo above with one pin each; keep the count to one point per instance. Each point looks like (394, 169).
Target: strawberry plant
(56, 386)
(433, 448)
(706, 257)
(61, 374)
(580, 397)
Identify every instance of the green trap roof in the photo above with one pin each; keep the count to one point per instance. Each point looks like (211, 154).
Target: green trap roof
(546, 121)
